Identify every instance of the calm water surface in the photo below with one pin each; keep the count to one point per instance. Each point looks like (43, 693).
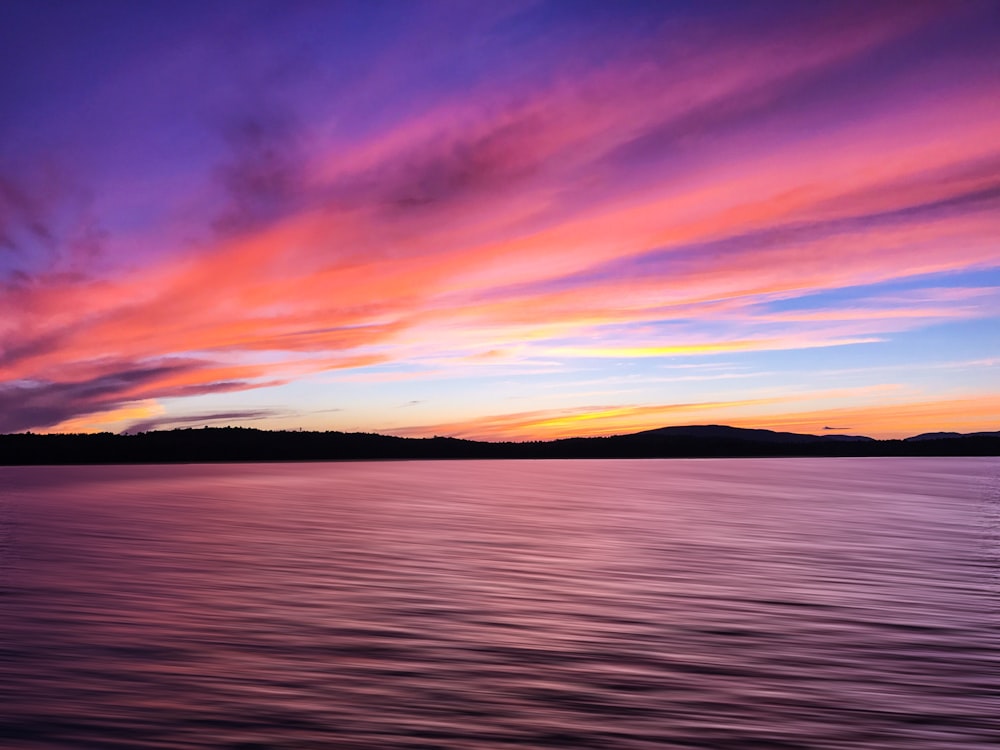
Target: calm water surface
(774, 603)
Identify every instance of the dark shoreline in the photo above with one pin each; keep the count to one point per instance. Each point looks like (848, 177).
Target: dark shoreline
(237, 444)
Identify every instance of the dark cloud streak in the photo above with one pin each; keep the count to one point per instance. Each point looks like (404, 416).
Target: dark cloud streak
(198, 419)
(263, 176)
(22, 211)
(42, 404)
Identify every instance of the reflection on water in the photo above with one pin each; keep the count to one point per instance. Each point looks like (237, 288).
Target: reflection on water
(774, 603)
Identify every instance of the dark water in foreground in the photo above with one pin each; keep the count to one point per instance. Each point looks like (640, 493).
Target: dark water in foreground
(775, 603)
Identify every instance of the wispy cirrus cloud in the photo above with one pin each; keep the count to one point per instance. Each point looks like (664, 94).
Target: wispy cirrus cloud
(662, 199)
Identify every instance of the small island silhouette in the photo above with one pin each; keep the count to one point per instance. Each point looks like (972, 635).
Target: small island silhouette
(215, 444)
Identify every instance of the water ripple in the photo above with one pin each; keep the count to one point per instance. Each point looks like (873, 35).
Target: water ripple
(774, 603)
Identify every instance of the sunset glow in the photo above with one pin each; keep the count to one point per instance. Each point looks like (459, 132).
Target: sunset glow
(522, 221)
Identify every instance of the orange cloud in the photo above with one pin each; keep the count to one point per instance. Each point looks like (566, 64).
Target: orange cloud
(548, 424)
(110, 420)
(893, 420)
(900, 418)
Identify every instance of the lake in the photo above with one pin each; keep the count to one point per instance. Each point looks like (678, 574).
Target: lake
(732, 603)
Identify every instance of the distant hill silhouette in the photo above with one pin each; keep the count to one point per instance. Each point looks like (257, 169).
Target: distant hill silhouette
(211, 444)
(950, 435)
(723, 432)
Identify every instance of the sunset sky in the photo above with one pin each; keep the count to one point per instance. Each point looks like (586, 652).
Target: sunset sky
(510, 220)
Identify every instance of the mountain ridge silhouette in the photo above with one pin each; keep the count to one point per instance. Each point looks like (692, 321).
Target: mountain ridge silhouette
(219, 444)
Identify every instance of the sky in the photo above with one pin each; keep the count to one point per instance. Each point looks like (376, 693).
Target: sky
(502, 221)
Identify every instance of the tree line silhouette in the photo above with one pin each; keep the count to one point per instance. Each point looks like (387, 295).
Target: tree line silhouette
(211, 444)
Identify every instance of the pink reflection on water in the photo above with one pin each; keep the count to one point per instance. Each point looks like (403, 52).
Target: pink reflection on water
(784, 602)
